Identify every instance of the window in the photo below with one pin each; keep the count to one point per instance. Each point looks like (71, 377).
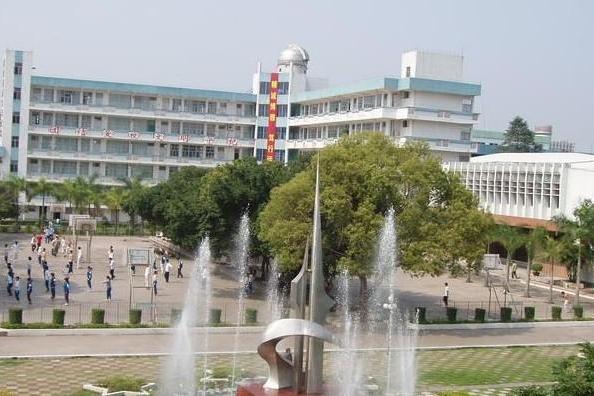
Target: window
(16, 95)
(85, 145)
(209, 152)
(263, 110)
(87, 98)
(176, 105)
(212, 107)
(48, 119)
(334, 106)
(16, 117)
(175, 127)
(174, 150)
(222, 108)
(283, 88)
(368, 102)
(262, 132)
(407, 71)
(48, 95)
(14, 166)
(14, 141)
(465, 135)
(405, 94)
(198, 106)
(345, 105)
(85, 121)
(405, 124)
(66, 97)
(281, 132)
(36, 95)
(264, 87)
(194, 129)
(466, 108)
(99, 98)
(464, 158)
(35, 118)
(18, 68)
(282, 110)
(120, 101)
(83, 168)
(211, 130)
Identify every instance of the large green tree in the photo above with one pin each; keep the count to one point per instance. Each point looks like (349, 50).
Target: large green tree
(15, 186)
(44, 188)
(519, 138)
(361, 178)
(512, 239)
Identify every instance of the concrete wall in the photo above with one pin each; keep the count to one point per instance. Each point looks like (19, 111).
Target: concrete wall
(432, 65)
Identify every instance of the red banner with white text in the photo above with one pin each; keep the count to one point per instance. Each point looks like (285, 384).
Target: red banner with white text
(272, 113)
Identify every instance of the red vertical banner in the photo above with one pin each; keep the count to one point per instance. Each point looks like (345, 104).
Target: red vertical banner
(272, 113)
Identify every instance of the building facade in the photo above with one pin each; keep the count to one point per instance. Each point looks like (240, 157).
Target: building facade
(61, 128)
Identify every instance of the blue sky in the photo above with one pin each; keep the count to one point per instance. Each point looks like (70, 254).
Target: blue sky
(533, 58)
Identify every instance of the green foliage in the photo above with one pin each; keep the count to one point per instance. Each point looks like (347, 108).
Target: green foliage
(454, 393)
(58, 317)
(505, 314)
(479, 315)
(4, 392)
(531, 391)
(214, 316)
(519, 138)
(362, 176)
(251, 316)
(578, 311)
(451, 313)
(556, 312)
(529, 313)
(15, 316)
(122, 383)
(135, 316)
(537, 268)
(97, 316)
(421, 313)
(221, 372)
(575, 375)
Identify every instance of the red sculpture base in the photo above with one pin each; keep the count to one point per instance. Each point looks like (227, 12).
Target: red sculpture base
(257, 389)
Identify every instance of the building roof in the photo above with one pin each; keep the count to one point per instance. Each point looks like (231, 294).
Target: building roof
(142, 89)
(560, 158)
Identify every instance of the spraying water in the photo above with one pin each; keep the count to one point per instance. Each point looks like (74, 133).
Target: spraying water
(275, 297)
(179, 378)
(242, 242)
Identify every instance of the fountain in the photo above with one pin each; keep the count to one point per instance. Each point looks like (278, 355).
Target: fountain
(274, 296)
(179, 378)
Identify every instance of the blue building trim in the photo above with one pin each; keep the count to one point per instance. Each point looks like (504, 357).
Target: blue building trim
(391, 84)
(18, 56)
(142, 89)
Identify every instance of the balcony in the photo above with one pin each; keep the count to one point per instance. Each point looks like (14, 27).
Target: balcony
(219, 139)
(455, 146)
(343, 116)
(309, 144)
(424, 114)
(143, 112)
(105, 180)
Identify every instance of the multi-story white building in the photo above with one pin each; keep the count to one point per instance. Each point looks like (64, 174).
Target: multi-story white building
(60, 128)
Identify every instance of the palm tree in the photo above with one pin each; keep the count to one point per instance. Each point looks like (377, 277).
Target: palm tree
(114, 199)
(511, 239)
(66, 192)
(94, 194)
(80, 193)
(533, 241)
(552, 251)
(16, 185)
(44, 188)
(133, 189)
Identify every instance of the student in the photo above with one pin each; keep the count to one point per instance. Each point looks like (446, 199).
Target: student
(70, 262)
(155, 278)
(111, 268)
(17, 288)
(33, 243)
(43, 256)
(107, 282)
(29, 289)
(29, 264)
(514, 270)
(6, 253)
(446, 294)
(147, 274)
(89, 276)
(46, 279)
(9, 281)
(39, 239)
(110, 254)
(66, 291)
(168, 268)
(180, 266)
(52, 283)
(78, 257)
(15, 251)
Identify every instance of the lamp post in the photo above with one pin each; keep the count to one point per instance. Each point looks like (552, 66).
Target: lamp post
(578, 272)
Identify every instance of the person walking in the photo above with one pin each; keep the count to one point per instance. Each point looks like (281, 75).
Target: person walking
(6, 253)
(63, 246)
(107, 282)
(39, 240)
(43, 256)
(9, 280)
(446, 294)
(15, 251)
(29, 265)
(155, 279)
(89, 277)
(147, 274)
(17, 288)
(180, 266)
(162, 265)
(70, 262)
(33, 243)
(514, 270)
(78, 257)
(110, 254)
(29, 289)
(52, 285)
(66, 291)
(46, 279)
(111, 268)
(168, 268)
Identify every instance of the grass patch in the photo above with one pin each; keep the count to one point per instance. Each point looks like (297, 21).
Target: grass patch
(10, 363)
(83, 393)
(459, 376)
(122, 383)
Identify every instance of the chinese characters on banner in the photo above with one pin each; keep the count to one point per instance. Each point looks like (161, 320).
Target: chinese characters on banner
(108, 133)
(81, 132)
(272, 113)
(54, 130)
(133, 135)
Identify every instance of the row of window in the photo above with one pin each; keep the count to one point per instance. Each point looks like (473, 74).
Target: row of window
(281, 110)
(283, 87)
(281, 132)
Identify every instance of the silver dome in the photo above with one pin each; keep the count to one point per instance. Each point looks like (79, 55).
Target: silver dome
(294, 54)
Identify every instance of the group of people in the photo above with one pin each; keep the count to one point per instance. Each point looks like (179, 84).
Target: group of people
(165, 266)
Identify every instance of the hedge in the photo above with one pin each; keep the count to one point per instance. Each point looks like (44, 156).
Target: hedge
(556, 312)
(479, 315)
(135, 316)
(214, 316)
(578, 312)
(451, 313)
(529, 313)
(506, 314)
(421, 313)
(251, 316)
(15, 316)
(58, 317)
(97, 316)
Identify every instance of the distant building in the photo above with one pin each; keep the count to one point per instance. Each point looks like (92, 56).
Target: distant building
(562, 146)
(489, 141)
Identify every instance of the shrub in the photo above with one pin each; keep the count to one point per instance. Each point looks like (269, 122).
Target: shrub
(214, 316)
(578, 312)
(175, 315)
(479, 315)
(3, 228)
(574, 374)
(135, 316)
(506, 314)
(454, 393)
(556, 312)
(15, 316)
(58, 317)
(420, 315)
(451, 313)
(536, 268)
(122, 383)
(97, 316)
(529, 313)
(531, 391)
(251, 316)
(222, 372)
(28, 229)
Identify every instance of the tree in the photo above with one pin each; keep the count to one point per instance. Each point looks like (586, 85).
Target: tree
(552, 251)
(44, 188)
(519, 138)
(134, 189)
(362, 176)
(114, 198)
(16, 185)
(535, 239)
(511, 239)
(7, 203)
